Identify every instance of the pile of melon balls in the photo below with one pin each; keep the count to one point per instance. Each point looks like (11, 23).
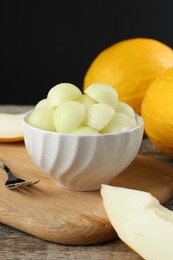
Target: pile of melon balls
(96, 111)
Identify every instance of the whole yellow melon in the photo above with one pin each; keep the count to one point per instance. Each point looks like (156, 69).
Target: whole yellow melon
(157, 112)
(130, 66)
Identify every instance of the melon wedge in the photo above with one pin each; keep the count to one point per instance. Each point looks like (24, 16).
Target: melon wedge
(11, 129)
(140, 221)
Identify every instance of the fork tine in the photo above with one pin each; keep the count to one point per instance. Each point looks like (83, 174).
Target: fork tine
(24, 184)
(14, 185)
(33, 182)
(27, 183)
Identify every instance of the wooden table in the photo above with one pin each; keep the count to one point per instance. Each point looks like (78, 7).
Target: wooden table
(16, 245)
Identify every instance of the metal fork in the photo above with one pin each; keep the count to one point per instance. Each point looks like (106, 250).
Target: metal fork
(13, 182)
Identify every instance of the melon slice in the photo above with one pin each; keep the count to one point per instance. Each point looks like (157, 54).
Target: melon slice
(11, 129)
(140, 221)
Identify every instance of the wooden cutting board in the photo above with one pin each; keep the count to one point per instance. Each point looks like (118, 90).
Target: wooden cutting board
(68, 217)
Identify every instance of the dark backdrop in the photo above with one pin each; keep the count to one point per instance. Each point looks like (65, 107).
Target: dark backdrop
(48, 42)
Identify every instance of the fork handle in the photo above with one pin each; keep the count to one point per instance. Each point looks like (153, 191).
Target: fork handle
(3, 166)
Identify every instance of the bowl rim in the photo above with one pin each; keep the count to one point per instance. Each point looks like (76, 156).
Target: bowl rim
(139, 126)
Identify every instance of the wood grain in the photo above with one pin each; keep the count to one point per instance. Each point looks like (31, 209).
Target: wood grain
(67, 217)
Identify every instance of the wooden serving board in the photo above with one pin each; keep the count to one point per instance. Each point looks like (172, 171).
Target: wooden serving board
(68, 217)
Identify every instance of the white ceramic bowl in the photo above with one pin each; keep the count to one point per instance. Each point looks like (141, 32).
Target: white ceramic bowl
(82, 162)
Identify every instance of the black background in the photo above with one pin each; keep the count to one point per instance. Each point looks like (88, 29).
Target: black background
(48, 42)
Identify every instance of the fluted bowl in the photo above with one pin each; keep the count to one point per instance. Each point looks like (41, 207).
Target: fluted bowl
(82, 162)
